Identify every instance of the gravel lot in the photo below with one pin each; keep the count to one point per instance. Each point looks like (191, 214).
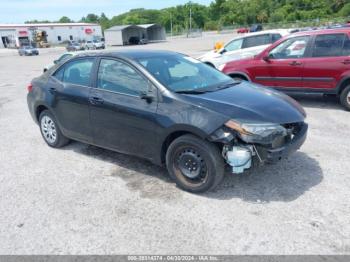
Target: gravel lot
(86, 200)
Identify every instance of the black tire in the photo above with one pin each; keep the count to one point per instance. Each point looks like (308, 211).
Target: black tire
(197, 158)
(53, 132)
(345, 98)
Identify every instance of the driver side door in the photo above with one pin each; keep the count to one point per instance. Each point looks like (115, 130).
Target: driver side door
(286, 62)
(121, 118)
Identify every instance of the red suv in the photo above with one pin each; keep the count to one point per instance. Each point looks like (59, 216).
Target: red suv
(314, 61)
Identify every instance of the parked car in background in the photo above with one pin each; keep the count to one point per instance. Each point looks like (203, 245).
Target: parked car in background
(168, 108)
(28, 50)
(242, 47)
(242, 30)
(62, 58)
(256, 28)
(74, 46)
(89, 45)
(134, 40)
(99, 44)
(308, 62)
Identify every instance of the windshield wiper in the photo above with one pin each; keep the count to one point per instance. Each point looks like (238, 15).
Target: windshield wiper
(224, 86)
(206, 89)
(191, 92)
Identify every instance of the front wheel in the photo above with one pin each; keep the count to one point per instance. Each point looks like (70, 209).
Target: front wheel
(195, 164)
(51, 131)
(345, 98)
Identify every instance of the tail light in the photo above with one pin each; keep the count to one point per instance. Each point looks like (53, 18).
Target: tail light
(30, 88)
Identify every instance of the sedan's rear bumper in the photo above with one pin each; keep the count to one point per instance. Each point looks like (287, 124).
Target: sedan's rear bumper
(270, 155)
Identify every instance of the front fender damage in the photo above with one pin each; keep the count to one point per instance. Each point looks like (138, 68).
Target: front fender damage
(241, 151)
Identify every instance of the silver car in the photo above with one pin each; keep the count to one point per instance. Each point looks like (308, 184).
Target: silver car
(28, 50)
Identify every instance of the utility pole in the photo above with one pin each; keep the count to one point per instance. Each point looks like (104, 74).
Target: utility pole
(190, 18)
(171, 24)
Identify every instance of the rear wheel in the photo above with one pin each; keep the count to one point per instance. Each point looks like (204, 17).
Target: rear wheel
(195, 164)
(51, 131)
(345, 97)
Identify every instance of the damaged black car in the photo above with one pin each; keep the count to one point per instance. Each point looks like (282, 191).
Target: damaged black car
(168, 108)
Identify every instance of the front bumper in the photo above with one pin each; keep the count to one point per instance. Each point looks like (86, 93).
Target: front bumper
(272, 155)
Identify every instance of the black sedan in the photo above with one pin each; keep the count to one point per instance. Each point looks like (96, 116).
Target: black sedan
(27, 50)
(168, 108)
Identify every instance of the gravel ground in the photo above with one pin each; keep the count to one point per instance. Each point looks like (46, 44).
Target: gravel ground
(86, 200)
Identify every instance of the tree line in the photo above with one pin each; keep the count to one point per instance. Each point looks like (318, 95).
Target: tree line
(221, 13)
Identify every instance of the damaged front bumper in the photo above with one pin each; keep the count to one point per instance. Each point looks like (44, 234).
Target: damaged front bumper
(241, 155)
(271, 155)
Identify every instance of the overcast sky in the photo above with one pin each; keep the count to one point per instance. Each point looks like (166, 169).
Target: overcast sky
(18, 11)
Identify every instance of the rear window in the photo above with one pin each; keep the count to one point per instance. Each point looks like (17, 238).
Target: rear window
(328, 45)
(77, 72)
(256, 41)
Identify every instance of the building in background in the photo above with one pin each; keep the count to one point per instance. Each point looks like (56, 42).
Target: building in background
(15, 35)
(126, 34)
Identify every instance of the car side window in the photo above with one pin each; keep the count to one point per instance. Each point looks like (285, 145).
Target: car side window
(328, 45)
(346, 48)
(291, 48)
(59, 74)
(78, 72)
(119, 77)
(234, 45)
(256, 41)
(275, 37)
(65, 56)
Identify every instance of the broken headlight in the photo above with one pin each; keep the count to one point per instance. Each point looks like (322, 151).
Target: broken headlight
(262, 133)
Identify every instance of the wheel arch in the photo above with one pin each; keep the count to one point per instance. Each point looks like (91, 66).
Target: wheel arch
(343, 84)
(240, 75)
(176, 133)
(39, 109)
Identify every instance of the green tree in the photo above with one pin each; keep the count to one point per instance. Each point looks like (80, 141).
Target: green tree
(65, 19)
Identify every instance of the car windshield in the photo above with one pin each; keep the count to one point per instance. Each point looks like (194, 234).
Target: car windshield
(184, 74)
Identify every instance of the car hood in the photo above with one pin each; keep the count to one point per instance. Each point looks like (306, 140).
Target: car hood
(248, 102)
(217, 58)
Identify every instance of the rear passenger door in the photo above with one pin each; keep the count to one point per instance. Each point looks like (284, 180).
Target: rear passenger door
(330, 58)
(69, 87)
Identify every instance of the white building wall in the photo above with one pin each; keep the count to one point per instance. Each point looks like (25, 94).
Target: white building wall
(54, 31)
(114, 38)
(58, 34)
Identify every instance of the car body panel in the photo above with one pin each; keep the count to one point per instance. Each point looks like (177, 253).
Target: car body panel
(28, 51)
(129, 124)
(218, 58)
(304, 74)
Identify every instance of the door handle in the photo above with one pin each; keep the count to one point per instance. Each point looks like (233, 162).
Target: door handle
(295, 63)
(52, 90)
(96, 100)
(346, 62)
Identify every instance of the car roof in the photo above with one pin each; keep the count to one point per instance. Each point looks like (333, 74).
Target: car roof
(133, 54)
(272, 31)
(344, 30)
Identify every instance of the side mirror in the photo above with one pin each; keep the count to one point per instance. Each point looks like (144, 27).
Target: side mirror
(267, 58)
(148, 96)
(55, 62)
(223, 51)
